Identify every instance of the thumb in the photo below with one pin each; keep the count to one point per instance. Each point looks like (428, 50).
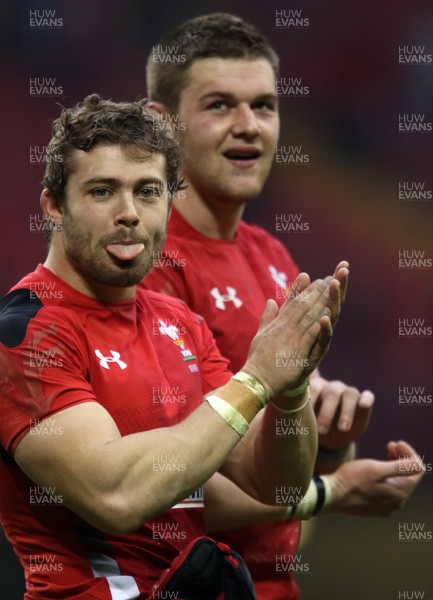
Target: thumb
(269, 314)
(400, 468)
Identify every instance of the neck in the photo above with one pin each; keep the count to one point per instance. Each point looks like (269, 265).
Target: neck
(217, 220)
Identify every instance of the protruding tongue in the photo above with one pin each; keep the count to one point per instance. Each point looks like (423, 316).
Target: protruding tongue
(125, 251)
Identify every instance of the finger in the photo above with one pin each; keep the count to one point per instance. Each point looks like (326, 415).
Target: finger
(297, 288)
(356, 410)
(395, 468)
(367, 399)
(334, 301)
(325, 334)
(404, 449)
(306, 308)
(342, 274)
(329, 406)
(269, 314)
(343, 264)
(405, 452)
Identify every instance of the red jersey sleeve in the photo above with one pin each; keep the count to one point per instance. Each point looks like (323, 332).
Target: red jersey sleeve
(43, 369)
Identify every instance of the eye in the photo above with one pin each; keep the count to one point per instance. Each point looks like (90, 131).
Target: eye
(218, 105)
(264, 105)
(149, 192)
(100, 192)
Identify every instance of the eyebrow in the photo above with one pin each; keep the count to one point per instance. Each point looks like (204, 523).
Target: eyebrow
(115, 182)
(229, 96)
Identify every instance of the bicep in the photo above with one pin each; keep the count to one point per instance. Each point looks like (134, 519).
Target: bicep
(67, 452)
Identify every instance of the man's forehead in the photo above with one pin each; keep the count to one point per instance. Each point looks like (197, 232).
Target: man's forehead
(216, 71)
(110, 153)
(112, 158)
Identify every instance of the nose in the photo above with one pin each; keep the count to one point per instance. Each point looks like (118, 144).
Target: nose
(126, 211)
(245, 123)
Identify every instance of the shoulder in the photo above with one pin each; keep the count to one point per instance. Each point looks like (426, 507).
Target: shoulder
(22, 309)
(17, 309)
(257, 236)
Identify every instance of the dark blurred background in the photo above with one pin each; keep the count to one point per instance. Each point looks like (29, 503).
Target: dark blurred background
(361, 67)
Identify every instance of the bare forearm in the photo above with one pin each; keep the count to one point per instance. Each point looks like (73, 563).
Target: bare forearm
(228, 507)
(284, 452)
(330, 461)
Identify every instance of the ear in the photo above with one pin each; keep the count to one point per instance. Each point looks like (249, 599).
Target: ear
(51, 209)
(158, 107)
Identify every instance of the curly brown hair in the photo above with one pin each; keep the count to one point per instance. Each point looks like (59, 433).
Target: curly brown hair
(218, 35)
(96, 121)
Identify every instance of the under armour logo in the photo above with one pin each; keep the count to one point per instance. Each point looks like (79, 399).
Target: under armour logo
(279, 277)
(114, 358)
(229, 297)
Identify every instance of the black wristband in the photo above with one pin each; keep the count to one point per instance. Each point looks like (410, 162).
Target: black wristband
(320, 494)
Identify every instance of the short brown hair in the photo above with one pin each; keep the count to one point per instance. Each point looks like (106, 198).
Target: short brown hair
(219, 35)
(96, 121)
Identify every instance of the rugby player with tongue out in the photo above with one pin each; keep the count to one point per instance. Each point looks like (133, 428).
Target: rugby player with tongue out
(112, 222)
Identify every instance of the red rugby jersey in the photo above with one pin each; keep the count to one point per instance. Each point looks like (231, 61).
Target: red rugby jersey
(148, 361)
(228, 283)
